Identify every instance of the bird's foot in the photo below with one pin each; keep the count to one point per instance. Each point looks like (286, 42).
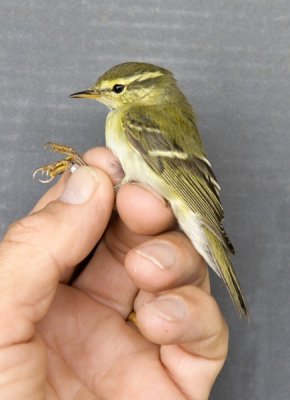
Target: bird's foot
(72, 161)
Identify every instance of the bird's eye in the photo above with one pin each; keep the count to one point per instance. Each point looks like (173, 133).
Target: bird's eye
(118, 88)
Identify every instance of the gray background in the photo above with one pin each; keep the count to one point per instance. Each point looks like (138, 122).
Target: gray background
(232, 60)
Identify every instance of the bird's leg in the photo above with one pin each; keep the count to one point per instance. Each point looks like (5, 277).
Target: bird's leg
(132, 318)
(71, 161)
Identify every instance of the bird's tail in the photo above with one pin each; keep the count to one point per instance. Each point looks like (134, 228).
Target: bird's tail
(224, 266)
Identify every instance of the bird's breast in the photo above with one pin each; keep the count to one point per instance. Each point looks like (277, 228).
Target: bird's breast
(134, 166)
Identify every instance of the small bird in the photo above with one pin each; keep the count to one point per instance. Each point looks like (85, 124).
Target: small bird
(151, 128)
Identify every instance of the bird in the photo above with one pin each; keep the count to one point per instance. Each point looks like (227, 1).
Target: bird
(152, 129)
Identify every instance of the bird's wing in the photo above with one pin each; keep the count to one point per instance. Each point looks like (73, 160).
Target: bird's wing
(175, 159)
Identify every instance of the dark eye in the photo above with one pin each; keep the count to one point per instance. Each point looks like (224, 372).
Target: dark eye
(118, 88)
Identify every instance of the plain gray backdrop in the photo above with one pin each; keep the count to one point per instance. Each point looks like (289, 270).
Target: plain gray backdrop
(232, 60)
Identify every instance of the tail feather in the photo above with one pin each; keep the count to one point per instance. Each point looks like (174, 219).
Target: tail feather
(223, 264)
(212, 250)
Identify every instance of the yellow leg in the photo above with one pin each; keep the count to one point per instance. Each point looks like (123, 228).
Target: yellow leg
(71, 161)
(132, 318)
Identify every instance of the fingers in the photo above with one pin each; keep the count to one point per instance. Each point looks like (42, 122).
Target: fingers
(102, 351)
(160, 263)
(105, 278)
(193, 335)
(103, 158)
(166, 261)
(143, 211)
(40, 249)
(186, 315)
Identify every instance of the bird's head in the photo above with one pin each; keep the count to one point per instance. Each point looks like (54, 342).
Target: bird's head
(131, 82)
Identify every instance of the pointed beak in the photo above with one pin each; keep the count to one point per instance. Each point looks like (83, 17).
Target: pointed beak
(86, 94)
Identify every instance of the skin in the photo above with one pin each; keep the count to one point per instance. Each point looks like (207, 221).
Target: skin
(60, 341)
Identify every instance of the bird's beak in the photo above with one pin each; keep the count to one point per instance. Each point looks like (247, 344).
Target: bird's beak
(86, 94)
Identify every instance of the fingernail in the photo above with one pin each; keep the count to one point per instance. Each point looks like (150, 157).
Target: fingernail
(171, 308)
(80, 186)
(116, 171)
(160, 254)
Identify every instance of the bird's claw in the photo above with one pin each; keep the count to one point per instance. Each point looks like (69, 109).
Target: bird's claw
(43, 171)
(54, 169)
(71, 162)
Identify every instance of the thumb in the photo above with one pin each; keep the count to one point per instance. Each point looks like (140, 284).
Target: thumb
(41, 248)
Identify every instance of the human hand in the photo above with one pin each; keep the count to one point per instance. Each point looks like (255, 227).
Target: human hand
(60, 341)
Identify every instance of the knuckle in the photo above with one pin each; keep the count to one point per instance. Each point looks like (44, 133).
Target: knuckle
(32, 229)
(26, 227)
(211, 308)
(31, 236)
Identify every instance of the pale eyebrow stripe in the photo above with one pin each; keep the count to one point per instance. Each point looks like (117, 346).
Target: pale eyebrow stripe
(133, 78)
(147, 75)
